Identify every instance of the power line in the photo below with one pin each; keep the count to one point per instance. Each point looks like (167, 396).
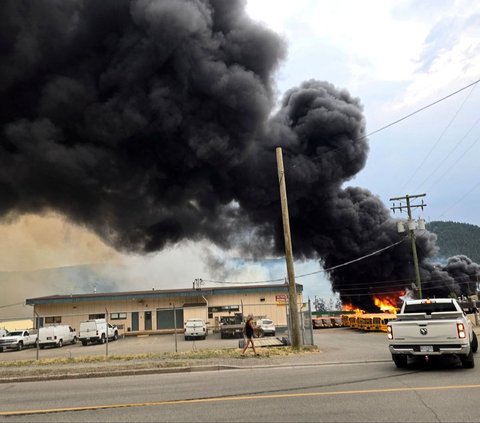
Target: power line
(419, 110)
(456, 161)
(459, 200)
(311, 273)
(449, 154)
(11, 305)
(398, 120)
(439, 139)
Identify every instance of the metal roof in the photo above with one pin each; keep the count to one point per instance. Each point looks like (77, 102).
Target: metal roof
(169, 293)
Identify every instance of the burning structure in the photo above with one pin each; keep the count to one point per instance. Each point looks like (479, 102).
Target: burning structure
(149, 122)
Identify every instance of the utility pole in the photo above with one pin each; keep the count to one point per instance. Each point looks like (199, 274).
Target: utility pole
(292, 290)
(411, 231)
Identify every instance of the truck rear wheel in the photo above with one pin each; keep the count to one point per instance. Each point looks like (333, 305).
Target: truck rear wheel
(20, 346)
(468, 362)
(474, 343)
(400, 360)
(102, 339)
(84, 343)
(60, 344)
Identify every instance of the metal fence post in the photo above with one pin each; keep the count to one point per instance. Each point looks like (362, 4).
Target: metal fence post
(175, 326)
(38, 332)
(106, 343)
(310, 320)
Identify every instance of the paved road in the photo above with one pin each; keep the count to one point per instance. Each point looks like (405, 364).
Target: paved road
(370, 391)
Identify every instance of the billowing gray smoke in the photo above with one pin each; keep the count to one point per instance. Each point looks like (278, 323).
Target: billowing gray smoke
(150, 122)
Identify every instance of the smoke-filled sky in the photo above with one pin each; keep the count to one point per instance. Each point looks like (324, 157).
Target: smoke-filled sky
(147, 127)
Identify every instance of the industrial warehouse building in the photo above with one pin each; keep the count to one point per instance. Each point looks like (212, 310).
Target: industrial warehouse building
(161, 311)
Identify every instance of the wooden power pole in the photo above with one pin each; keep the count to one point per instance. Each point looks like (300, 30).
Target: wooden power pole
(411, 232)
(292, 290)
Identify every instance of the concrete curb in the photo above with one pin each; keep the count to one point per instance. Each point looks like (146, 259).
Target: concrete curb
(165, 370)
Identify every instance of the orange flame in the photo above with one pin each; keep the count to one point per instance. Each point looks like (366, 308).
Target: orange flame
(351, 307)
(387, 303)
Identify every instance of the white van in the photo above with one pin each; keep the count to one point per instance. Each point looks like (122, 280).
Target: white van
(3, 333)
(195, 328)
(95, 331)
(56, 335)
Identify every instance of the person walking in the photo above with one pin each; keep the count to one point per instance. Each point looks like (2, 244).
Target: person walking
(249, 330)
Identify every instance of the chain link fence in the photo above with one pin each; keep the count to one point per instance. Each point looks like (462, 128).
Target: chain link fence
(136, 327)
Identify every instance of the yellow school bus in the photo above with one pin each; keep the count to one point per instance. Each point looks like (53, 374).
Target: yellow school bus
(386, 317)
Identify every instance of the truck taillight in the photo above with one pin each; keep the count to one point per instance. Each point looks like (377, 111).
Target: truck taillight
(389, 332)
(96, 332)
(461, 330)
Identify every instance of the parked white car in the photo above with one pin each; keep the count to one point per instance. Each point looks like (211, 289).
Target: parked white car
(56, 335)
(95, 331)
(17, 340)
(265, 327)
(195, 328)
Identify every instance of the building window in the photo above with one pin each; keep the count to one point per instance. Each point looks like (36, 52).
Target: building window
(53, 319)
(118, 316)
(220, 309)
(96, 316)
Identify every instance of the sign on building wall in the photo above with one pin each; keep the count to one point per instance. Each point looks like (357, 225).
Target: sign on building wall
(281, 299)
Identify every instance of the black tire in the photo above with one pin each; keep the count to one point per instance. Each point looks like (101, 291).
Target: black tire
(400, 360)
(115, 336)
(60, 344)
(42, 347)
(84, 342)
(468, 362)
(74, 340)
(261, 333)
(102, 339)
(474, 343)
(222, 335)
(20, 346)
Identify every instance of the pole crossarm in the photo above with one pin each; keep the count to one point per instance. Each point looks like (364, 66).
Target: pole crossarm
(409, 205)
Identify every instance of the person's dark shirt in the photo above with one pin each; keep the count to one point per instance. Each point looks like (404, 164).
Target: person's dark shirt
(249, 329)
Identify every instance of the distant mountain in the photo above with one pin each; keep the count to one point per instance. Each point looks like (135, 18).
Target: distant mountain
(457, 239)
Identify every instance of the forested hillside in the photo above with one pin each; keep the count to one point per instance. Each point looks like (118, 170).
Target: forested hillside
(457, 238)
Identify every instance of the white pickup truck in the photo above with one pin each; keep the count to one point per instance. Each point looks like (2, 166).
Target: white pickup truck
(97, 331)
(431, 327)
(17, 340)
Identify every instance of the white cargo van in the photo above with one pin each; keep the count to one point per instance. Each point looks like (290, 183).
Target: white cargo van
(195, 328)
(56, 335)
(95, 331)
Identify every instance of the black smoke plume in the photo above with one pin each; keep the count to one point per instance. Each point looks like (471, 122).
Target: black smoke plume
(149, 122)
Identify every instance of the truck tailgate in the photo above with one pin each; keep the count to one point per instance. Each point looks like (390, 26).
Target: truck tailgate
(419, 332)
